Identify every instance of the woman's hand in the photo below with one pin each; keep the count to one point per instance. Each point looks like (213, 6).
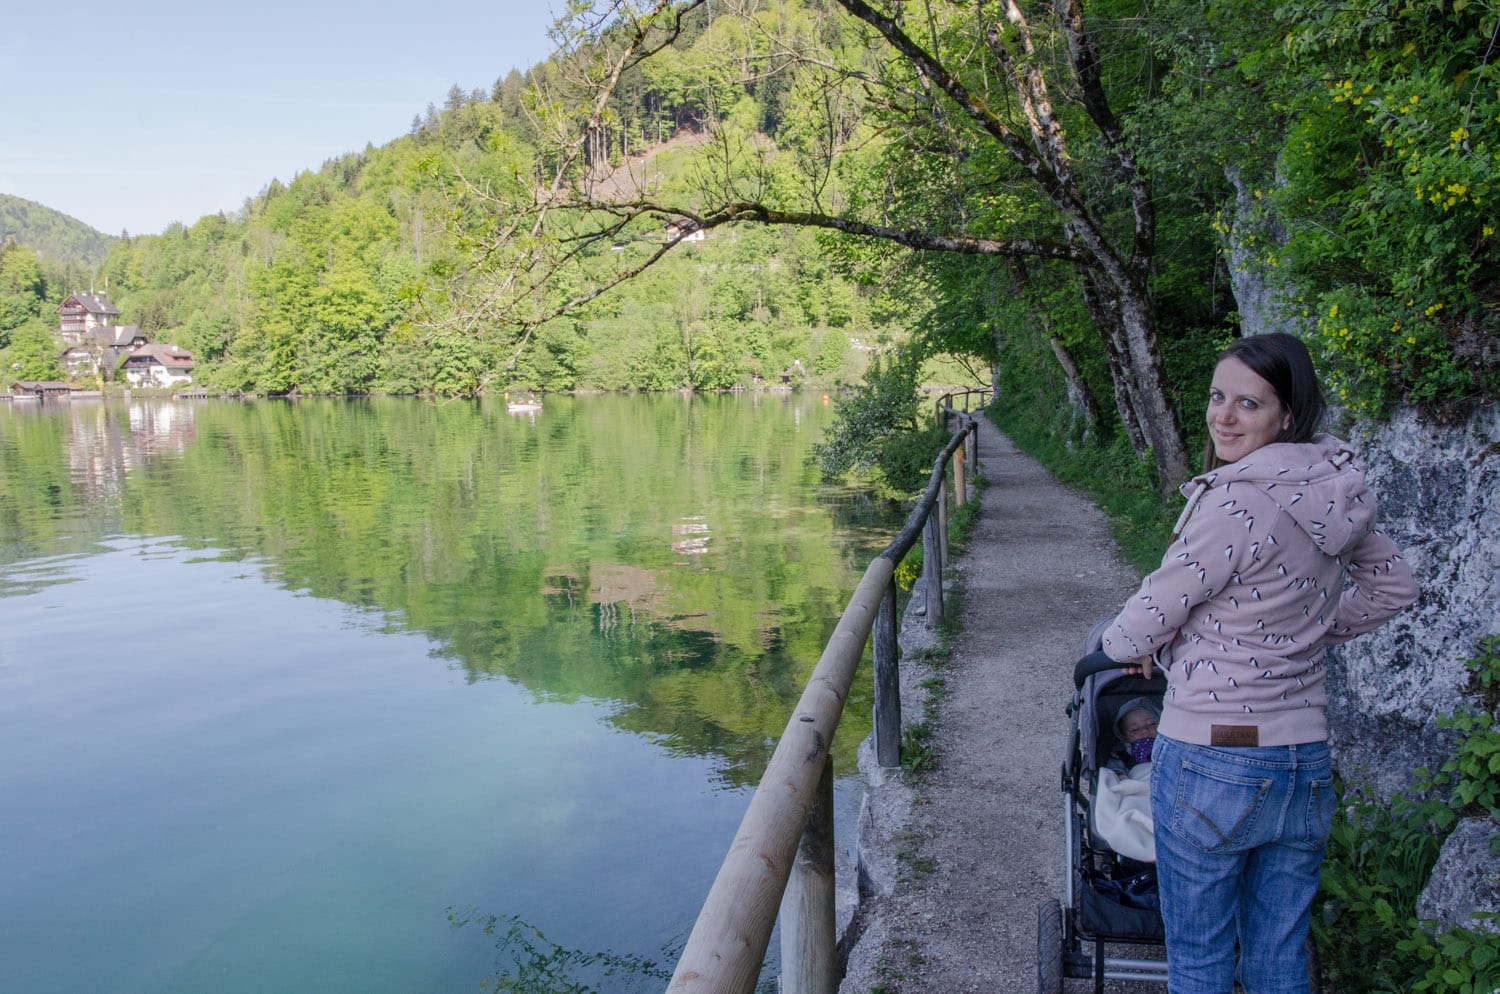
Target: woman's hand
(1141, 667)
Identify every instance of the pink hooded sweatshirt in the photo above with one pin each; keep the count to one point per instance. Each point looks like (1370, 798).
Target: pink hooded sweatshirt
(1247, 598)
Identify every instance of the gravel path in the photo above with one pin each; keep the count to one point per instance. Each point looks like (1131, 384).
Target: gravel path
(966, 850)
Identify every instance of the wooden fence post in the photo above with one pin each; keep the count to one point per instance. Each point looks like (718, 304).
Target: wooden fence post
(809, 960)
(887, 682)
(960, 485)
(785, 828)
(941, 510)
(932, 570)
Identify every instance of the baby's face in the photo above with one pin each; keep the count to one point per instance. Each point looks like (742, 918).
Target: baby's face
(1139, 724)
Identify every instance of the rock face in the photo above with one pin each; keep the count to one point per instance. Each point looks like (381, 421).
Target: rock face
(1466, 879)
(1260, 293)
(1439, 492)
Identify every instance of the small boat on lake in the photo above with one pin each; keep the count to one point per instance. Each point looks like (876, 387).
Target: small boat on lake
(523, 406)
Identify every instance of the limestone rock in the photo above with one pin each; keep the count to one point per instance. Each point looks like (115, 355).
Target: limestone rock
(1466, 879)
(1439, 492)
(1261, 293)
(882, 815)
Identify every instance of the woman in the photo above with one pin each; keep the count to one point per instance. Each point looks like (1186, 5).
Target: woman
(1249, 595)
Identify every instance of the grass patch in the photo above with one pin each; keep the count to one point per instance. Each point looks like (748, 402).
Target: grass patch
(889, 972)
(918, 751)
(923, 865)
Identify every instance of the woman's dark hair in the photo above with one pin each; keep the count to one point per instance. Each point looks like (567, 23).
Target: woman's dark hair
(1282, 361)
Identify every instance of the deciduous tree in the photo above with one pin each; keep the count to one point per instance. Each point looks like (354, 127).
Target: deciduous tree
(1014, 85)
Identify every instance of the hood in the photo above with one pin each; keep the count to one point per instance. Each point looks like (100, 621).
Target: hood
(1315, 483)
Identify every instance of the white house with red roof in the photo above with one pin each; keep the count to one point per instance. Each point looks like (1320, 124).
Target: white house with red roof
(157, 365)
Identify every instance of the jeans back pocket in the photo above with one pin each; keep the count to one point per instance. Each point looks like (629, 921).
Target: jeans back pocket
(1215, 810)
(1320, 801)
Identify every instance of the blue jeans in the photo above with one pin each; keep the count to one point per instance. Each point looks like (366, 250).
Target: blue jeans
(1240, 834)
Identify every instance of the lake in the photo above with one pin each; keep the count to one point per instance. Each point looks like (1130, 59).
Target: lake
(386, 695)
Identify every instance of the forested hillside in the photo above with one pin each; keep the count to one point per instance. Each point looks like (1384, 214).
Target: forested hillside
(1094, 196)
(342, 281)
(52, 234)
(44, 256)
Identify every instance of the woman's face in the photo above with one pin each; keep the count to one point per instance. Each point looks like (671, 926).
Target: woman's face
(1243, 411)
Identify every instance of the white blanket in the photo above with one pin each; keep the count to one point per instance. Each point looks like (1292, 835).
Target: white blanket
(1122, 812)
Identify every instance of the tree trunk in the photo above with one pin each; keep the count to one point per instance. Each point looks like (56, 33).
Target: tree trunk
(1107, 320)
(1159, 422)
(1079, 397)
(1121, 306)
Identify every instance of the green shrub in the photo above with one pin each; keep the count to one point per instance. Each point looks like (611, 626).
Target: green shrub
(884, 407)
(1474, 769)
(1381, 855)
(905, 459)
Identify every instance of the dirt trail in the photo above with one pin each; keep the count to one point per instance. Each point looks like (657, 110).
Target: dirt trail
(970, 847)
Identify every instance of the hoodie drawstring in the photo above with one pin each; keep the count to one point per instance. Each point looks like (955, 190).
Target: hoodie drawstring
(1192, 502)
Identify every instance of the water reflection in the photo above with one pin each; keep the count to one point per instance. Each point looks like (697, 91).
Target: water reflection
(675, 557)
(103, 448)
(697, 543)
(285, 681)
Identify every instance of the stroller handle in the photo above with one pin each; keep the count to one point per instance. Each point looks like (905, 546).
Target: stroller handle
(1094, 662)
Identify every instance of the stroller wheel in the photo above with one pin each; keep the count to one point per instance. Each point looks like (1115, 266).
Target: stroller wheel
(1049, 946)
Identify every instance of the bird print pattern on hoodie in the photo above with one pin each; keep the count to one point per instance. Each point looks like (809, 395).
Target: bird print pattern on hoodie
(1277, 558)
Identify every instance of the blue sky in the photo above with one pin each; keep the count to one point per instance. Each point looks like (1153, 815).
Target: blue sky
(172, 110)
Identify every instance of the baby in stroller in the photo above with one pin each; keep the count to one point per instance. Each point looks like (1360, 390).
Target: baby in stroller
(1135, 731)
(1111, 896)
(1122, 796)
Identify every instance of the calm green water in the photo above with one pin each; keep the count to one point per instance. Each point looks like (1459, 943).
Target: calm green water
(393, 696)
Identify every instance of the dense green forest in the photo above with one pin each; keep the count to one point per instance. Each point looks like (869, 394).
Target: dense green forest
(1090, 197)
(44, 256)
(337, 283)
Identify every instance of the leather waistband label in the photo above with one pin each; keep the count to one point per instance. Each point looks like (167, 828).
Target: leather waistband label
(1234, 735)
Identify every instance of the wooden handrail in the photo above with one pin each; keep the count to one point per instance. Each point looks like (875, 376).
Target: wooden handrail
(728, 943)
(727, 946)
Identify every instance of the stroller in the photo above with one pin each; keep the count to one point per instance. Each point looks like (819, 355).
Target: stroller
(1109, 897)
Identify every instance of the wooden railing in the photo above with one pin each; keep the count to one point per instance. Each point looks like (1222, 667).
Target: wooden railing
(781, 858)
